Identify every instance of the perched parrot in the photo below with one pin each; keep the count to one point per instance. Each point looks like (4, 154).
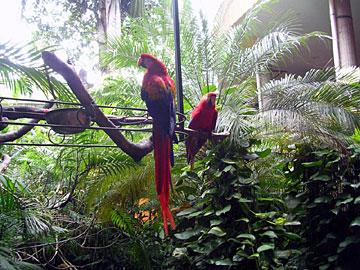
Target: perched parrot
(203, 118)
(158, 92)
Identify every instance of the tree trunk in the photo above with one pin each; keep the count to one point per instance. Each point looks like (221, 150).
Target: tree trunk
(345, 33)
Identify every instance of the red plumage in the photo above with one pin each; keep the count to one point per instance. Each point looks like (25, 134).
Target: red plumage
(158, 92)
(203, 119)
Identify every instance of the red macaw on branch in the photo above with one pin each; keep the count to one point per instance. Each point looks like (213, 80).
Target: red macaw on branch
(203, 119)
(158, 92)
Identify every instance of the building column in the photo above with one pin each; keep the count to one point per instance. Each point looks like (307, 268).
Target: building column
(343, 34)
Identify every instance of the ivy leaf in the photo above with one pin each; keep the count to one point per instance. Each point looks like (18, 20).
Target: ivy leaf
(264, 153)
(357, 200)
(215, 222)
(187, 211)
(224, 210)
(265, 247)
(270, 234)
(280, 221)
(312, 164)
(217, 231)
(344, 202)
(323, 177)
(348, 240)
(228, 161)
(292, 235)
(322, 199)
(246, 235)
(187, 234)
(355, 222)
(224, 262)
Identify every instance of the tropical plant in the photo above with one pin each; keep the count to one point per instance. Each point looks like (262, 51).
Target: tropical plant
(225, 62)
(321, 105)
(22, 71)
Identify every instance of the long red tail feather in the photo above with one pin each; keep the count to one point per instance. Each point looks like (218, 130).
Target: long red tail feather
(162, 172)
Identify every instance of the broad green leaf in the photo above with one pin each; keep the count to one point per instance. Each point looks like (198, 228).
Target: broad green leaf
(312, 164)
(228, 161)
(246, 235)
(282, 254)
(291, 201)
(292, 235)
(323, 267)
(270, 234)
(333, 258)
(322, 177)
(348, 240)
(266, 215)
(228, 168)
(335, 210)
(272, 200)
(355, 222)
(243, 219)
(215, 222)
(339, 203)
(265, 247)
(322, 152)
(187, 234)
(280, 221)
(224, 210)
(217, 231)
(224, 262)
(292, 223)
(357, 200)
(244, 200)
(195, 214)
(323, 199)
(264, 153)
(187, 211)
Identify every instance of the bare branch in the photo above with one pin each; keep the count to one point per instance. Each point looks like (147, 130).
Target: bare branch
(12, 136)
(136, 150)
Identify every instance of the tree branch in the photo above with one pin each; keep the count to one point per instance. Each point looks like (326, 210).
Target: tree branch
(136, 150)
(12, 136)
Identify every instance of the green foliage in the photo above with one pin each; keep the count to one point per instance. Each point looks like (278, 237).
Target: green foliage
(22, 71)
(326, 188)
(231, 222)
(295, 105)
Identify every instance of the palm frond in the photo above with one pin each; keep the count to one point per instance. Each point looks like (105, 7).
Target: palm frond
(314, 105)
(22, 71)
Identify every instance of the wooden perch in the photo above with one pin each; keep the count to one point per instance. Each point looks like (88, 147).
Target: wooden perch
(12, 136)
(136, 150)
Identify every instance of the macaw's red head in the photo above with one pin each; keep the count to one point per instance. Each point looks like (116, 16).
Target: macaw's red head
(152, 64)
(210, 98)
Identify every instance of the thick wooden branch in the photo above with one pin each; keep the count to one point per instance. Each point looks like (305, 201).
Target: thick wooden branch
(17, 112)
(136, 150)
(12, 136)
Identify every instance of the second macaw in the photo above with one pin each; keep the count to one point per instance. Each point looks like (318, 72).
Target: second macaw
(158, 92)
(203, 119)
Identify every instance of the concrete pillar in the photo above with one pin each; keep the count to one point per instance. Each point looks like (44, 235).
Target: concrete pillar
(345, 32)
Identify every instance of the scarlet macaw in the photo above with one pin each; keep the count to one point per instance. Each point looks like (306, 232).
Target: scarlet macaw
(158, 92)
(203, 118)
